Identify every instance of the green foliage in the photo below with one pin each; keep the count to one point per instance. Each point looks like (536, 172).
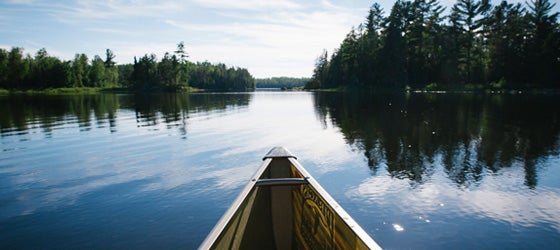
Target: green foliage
(281, 82)
(17, 69)
(173, 73)
(320, 73)
(432, 87)
(125, 75)
(220, 78)
(3, 68)
(59, 91)
(78, 71)
(499, 85)
(477, 44)
(506, 44)
(46, 71)
(97, 73)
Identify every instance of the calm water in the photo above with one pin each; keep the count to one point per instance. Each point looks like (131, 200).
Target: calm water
(422, 171)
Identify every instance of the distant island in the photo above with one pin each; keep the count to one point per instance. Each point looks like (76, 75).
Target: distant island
(173, 72)
(476, 46)
(282, 82)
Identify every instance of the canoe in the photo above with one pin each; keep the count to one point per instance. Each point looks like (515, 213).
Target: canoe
(283, 207)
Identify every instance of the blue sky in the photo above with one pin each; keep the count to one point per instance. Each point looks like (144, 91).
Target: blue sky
(269, 38)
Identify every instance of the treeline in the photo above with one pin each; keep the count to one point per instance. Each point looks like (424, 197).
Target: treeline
(147, 73)
(476, 45)
(281, 82)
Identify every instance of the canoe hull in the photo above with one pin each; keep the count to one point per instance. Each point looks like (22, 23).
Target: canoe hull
(282, 207)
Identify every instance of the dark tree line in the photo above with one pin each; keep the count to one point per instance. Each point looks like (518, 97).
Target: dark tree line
(147, 73)
(281, 82)
(477, 44)
(219, 77)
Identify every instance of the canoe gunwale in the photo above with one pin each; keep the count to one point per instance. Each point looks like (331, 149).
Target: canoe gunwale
(275, 153)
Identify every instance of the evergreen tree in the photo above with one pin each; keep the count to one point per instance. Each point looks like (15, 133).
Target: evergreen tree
(544, 44)
(168, 69)
(320, 72)
(348, 52)
(394, 54)
(470, 16)
(111, 76)
(422, 42)
(109, 59)
(369, 46)
(181, 53)
(144, 75)
(506, 32)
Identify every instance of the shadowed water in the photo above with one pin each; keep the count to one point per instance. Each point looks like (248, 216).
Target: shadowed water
(434, 171)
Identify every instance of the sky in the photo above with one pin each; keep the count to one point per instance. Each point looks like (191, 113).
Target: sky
(268, 37)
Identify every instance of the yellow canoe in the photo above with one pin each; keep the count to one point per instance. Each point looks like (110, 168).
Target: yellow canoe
(283, 207)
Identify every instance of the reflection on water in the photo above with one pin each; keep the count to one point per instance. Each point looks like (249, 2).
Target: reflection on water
(173, 109)
(472, 134)
(448, 166)
(112, 171)
(152, 171)
(23, 113)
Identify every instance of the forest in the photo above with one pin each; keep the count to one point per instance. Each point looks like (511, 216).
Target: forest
(281, 82)
(173, 72)
(474, 45)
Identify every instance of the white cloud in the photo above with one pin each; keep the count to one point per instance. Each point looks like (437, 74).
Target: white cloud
(260, 5)
(122, 8)
(270, 38)
(286, 41)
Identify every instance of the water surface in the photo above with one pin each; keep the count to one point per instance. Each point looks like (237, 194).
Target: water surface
(428, 171)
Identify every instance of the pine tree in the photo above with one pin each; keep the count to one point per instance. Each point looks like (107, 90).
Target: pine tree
(544, 44)
(469, 17)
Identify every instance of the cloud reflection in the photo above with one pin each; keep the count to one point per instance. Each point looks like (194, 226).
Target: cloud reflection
(498, 197)
(53, 191)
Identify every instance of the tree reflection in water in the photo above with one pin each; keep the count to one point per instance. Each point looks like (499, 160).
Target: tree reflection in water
(21, 113)
(472, 134)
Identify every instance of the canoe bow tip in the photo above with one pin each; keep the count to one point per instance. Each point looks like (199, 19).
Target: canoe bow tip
(279, 152)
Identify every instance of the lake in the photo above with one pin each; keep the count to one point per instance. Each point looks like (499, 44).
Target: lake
(421, 171)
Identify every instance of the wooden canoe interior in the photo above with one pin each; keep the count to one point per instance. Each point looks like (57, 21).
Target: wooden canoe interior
(286, 217)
